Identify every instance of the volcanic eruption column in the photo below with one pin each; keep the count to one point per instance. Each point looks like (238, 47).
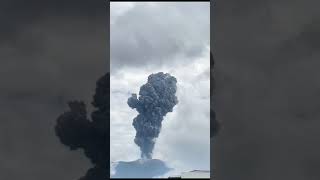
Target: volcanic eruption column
(156, 98)
(77, 131)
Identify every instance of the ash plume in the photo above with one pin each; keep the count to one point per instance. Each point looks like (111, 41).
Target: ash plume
(214, 124)
(156, 98)
(75, 130)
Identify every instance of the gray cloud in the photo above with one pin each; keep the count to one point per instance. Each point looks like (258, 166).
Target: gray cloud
(155, 34)
(266, 68)
(51, 52)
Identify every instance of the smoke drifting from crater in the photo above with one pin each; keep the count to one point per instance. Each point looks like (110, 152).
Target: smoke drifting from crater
(156, 98)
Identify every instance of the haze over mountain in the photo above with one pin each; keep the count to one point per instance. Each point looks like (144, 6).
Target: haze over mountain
(141, 168)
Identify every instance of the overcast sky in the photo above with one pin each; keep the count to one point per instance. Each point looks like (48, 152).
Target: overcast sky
(147, 38)
(267, 78)
(51, 52)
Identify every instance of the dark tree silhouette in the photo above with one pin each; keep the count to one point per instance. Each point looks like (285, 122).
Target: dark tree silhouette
(77, 131)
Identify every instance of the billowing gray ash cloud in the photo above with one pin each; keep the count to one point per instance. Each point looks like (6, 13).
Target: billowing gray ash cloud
(75, 130)
(156, 98)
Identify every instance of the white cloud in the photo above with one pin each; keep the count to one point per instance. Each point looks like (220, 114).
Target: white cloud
(155, 33)
(118, 9)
